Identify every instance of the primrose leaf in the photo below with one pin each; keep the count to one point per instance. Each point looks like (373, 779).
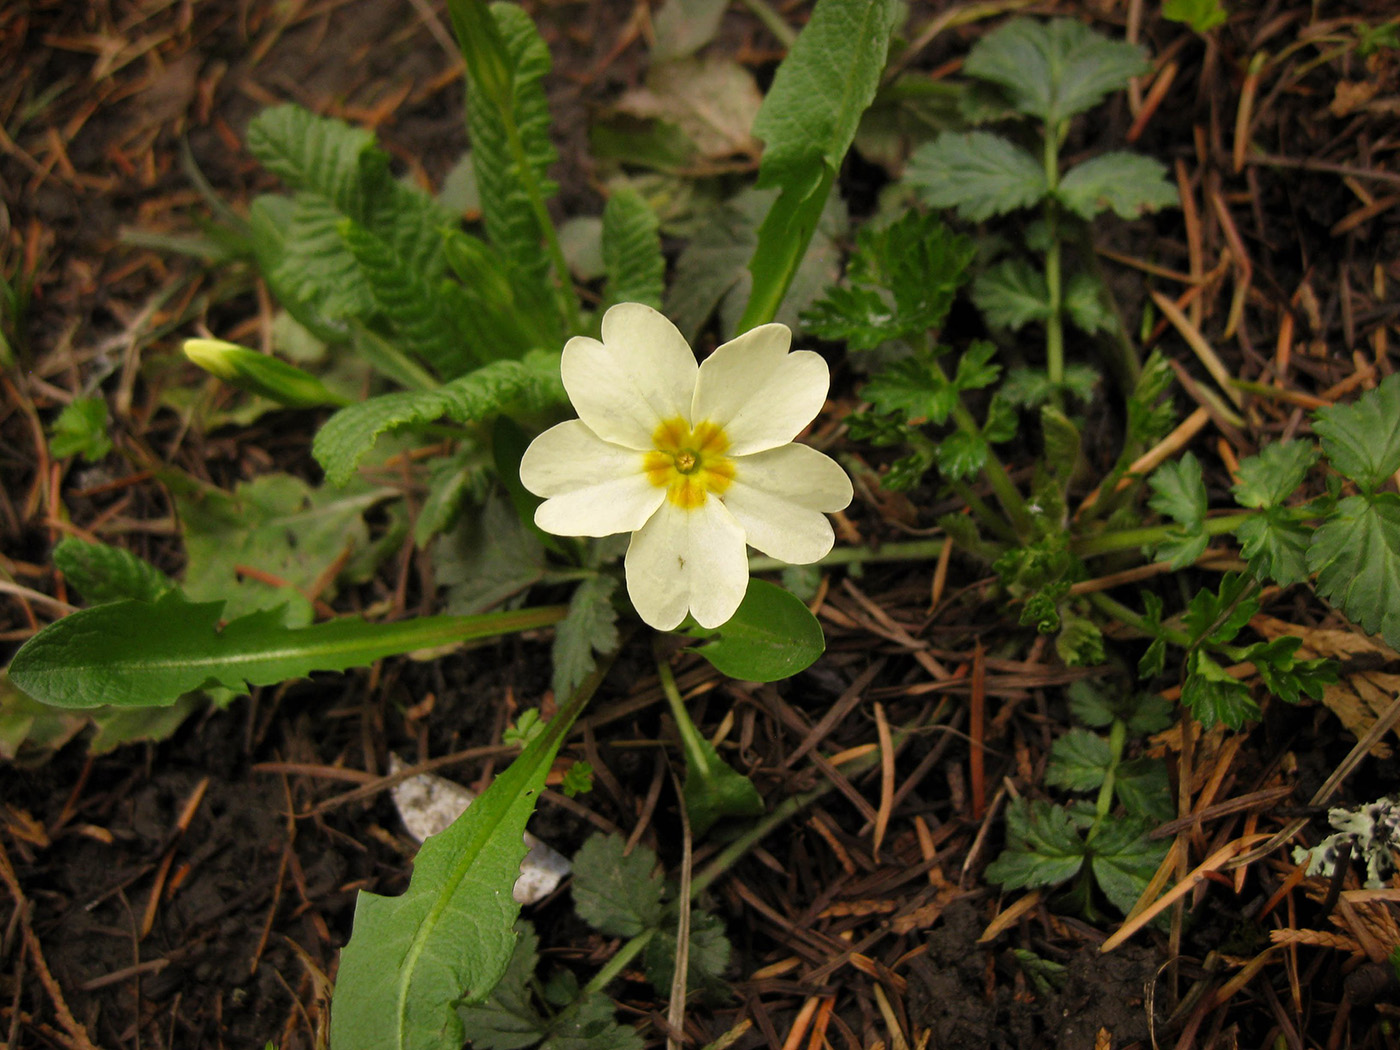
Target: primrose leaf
(148, 654)
(108, 574)
(1079, 761)
(490, 557)
(807, 122)
(978, 173)
(1043, 847)
(617, 893)
(771, 636)
(347, 437)
(1356, 555)
(319, 155)
(915, 387)
(712, 789)
(1012, 294)
(1084, 303)
(1123, 859)
(590, 627)
(499, 113)
(1213, 696)
(1128, 183)
(81, 430)
(1200, 15)
(1055, 69)
(1362, 439)
(632, 257)
(449, 938)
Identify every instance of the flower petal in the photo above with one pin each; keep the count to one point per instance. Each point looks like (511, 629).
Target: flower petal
(762, 395)
(596, 488)
(778, 497)
(642, 372)
(687, 561)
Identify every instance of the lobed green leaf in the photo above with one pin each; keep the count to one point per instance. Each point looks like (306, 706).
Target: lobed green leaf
(978, 173)
(1356, 556)
(1128, 183)
(1362, 439)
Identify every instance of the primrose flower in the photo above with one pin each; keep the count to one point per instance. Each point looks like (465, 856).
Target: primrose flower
(694, 460)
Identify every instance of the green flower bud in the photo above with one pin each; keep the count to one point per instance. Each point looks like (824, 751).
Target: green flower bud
(260, 374)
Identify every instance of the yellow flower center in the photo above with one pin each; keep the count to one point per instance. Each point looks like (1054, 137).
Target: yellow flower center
(689, 463)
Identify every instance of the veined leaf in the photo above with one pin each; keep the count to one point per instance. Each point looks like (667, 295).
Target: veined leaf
(590, 627)
(415, 309)
(977, 172)
(347, 436)
(1084, 304)
(1043, 847)
(328, 158)
(807, 123)
(1269, 478)
(506, 209)
(1012, 294)
(107, 574)
(81, 430)
(148, 654)
(1055, 69)
(771, 636)
(1356, 555)
(632, 256)
(1128, 183)
(1362, 439)
(449, 937)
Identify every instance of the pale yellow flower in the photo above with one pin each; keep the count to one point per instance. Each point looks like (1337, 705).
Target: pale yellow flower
(694, 460)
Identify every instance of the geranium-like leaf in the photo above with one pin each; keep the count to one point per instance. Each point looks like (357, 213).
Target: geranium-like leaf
(1356, 555)
(1362, 439)
(977, 172)
(1128, 183)
(1012, 294)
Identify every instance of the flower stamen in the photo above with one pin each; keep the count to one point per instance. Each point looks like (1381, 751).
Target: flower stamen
(689, 462)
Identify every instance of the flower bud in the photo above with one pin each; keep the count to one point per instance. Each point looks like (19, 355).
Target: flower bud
(260, 374)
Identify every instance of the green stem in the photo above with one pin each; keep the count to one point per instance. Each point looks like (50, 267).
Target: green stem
(1117, 736)
(695, 757)
(910, 550)
(1131, 539)
(614, 966)
(1120, 612)
(1054, 323)
(564, 285)
(991, 519)
(1002, 486)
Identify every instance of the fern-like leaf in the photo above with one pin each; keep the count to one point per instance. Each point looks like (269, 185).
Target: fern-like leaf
(632, 250)
(348, 436)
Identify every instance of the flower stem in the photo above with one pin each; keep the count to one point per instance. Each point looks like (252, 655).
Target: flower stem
(564, 285)
(1054, 322)
(910, 550)
(1129, 539)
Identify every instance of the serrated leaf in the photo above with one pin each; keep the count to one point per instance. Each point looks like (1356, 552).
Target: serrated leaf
(506, 208)
(324, 157)
(915, 388)
(416, 309)
(960, 455)
(915, 261)
(106, 574)
(807, 122)
(1362, 439)
(1356, 556)
(771, 636)
(1079, 761)
(1179, 492)
(1286, 676)
(448, 939)
(81, 430)
(147, 654)
(315, 268)
(708, 955)
(1144, 789)
(1012, 294)
(632, 250)
(1276, 544)
(487, 559)
(976, 369)
(347, 437)
(1217, 616)
(617, 893)
(1055, 69)
(507, 1019)
(1085, 307)
(1213, 696)
(978, 173)
(1269, 478)
(590, 627)
(1200, 15)
(1123, 859)
(1043, 847)
(1080, 641)
(1128, 183)
(591, 1026)
(453, 482)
